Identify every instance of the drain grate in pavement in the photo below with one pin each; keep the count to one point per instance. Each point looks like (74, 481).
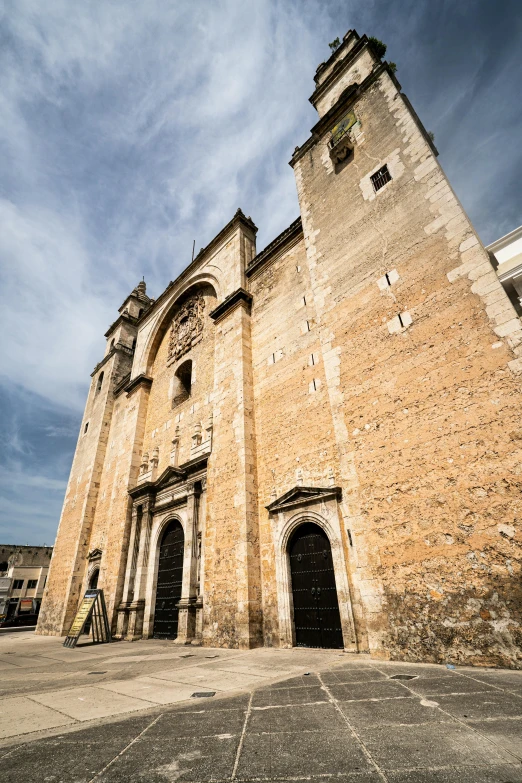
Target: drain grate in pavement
(211, 656)
(203, 694)
(96, 672)
(189, 655)
(404, 677)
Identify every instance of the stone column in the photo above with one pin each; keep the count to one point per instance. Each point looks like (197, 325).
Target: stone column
(200, 566)
(187, 604)
(130, 572)
(136, 606)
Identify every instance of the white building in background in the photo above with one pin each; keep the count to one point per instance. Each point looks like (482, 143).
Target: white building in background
(506, 254)
(23, 573)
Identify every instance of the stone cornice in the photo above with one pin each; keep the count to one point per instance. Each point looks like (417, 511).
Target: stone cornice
(237, 297)
(139, 380)
(171, 475)
(120, 387)
(339, 69)
(347, 99)
(123, 317)
(118, 348)
(280, 243)
(346, 40)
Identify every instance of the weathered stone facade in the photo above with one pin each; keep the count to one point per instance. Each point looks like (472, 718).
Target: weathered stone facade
(361, 373)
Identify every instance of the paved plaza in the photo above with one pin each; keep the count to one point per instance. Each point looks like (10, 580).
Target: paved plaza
(127, 712)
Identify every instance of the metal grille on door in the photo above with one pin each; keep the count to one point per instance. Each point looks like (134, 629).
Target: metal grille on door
(316, 608)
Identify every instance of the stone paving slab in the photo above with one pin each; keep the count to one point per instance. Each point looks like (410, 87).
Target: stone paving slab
(89, 703)
(505, 733)
(22, 716)
(151, 689)
(211, 679)
(396, 747)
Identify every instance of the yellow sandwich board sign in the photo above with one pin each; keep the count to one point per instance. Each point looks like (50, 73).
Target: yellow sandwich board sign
(91, 610)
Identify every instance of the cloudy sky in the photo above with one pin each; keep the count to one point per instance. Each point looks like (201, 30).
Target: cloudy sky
(128, 128)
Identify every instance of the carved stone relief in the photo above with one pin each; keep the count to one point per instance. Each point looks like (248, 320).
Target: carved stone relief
(187, 327)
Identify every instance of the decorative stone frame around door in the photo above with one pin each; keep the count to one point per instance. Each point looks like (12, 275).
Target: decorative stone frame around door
(320, 506)
(159, 525)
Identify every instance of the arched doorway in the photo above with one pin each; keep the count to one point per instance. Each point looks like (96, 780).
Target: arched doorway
(170, 577)
(316, 608)
(93, 584)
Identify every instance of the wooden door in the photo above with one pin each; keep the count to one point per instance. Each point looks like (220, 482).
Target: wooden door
(316, 608)
(170, 577)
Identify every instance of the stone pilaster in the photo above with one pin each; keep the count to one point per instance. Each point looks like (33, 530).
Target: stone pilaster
(136, 604)
(187, 604)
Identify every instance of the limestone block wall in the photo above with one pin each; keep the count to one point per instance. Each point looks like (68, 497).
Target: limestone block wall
(355, 73)
(294, 424)
(163, 419)
(422, 374)
(232, 583)
(111, 524)
(69, 563)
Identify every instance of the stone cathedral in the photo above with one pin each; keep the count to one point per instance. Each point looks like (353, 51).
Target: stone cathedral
(317, 444)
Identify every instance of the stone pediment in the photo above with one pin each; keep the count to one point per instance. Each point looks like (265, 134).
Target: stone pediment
(169, 476)
(299, 495)
(95, 554)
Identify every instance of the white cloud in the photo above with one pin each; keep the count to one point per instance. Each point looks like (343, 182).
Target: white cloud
(131, 129)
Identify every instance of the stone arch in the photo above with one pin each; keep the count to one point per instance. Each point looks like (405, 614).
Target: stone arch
(284, 582)
(158, 530)
(92, 582)
(206, 284)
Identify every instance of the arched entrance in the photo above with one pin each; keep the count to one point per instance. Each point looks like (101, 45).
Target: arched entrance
(317, 620)
(93, 584)
(170, 577)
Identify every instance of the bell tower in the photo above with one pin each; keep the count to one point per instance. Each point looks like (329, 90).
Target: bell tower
(407, 309)
(70, 562)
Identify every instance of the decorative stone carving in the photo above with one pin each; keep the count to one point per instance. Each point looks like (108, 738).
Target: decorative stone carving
(187, 327)
(144, 466)
(174, 454)
(196, 437)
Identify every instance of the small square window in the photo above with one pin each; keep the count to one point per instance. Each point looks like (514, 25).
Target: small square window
(31, 584)
(18, 584)
(380, 178)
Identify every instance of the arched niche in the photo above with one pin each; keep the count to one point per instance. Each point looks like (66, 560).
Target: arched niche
(203, 288)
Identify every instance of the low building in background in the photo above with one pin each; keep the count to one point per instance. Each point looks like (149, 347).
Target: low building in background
(23, 574)
(506, 255)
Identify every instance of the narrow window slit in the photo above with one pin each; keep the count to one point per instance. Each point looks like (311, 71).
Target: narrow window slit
(400, 320)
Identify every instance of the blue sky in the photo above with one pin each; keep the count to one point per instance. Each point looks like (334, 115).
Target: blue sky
(130, 128)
